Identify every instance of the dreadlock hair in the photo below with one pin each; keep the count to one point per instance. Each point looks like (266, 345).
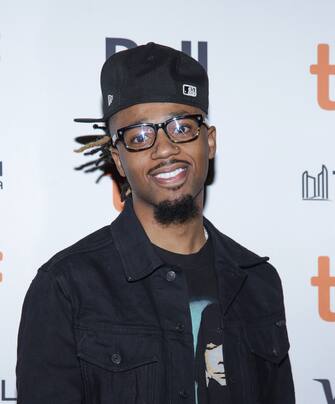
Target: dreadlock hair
(101, 144)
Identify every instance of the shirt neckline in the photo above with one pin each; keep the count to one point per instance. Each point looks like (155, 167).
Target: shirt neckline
(199, 259)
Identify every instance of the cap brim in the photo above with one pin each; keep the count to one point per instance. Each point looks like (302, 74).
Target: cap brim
(89, 120)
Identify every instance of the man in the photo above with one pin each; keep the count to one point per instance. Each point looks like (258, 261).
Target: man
(159, 306)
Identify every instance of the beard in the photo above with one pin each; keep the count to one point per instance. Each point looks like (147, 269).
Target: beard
(178, 211)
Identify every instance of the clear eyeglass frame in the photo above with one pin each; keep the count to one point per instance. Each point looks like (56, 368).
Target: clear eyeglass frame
(121, 133)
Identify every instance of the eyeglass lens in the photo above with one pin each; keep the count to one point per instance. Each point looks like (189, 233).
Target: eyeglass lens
(178, 130)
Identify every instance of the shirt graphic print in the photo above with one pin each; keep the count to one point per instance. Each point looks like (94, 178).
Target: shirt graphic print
(210, 382)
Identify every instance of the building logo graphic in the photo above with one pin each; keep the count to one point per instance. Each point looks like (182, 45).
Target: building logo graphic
(327, 389)
(316, 188)
(323, 70)
(325, 284)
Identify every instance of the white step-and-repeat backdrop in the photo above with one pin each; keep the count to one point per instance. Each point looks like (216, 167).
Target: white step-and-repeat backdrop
(272, 97)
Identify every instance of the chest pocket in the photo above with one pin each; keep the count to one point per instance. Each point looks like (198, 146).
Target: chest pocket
(270, 341)
(120, 366)
(268, 346)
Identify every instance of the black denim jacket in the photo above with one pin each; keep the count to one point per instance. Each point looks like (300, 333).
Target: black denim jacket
(102, 322)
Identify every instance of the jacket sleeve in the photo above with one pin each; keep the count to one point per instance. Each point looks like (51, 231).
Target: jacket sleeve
(280, 387)
(47, 369)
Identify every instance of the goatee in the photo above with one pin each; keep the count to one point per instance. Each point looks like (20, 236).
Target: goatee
(178, 211)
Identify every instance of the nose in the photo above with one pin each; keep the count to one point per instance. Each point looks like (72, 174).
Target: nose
(163, 146)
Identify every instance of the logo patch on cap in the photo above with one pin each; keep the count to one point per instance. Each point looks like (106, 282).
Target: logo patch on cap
(109, 99)
(189, 90)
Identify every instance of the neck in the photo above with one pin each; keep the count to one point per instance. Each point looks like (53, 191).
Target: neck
(184, 238)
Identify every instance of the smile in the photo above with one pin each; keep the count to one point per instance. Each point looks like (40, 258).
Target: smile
(170, 176)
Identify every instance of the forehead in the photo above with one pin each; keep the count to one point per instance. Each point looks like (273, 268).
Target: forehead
(150, 112)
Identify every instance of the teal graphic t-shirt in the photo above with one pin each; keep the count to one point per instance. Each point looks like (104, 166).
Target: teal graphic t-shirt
(210, 384)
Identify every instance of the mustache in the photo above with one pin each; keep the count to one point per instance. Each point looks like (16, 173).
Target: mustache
(167, 163)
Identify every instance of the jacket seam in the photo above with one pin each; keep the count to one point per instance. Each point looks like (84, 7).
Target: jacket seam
(46, 267)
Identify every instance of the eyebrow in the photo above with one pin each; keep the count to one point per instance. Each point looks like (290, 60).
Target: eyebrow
(169, 115)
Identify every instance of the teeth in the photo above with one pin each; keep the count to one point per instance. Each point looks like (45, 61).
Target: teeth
(170, 174)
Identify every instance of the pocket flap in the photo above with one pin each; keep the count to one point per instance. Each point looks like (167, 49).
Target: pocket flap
(269, 341)
(118, 352)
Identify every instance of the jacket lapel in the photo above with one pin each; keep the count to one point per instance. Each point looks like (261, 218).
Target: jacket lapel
(231, 260)
(140, 260)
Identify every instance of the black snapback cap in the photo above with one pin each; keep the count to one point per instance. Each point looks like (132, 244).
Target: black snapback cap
(151, 73)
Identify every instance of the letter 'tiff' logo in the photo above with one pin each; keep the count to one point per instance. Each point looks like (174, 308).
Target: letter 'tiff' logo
(324, 282)
(323, 70)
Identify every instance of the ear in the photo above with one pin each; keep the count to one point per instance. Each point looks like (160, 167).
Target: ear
(117, 160)
(211, 131)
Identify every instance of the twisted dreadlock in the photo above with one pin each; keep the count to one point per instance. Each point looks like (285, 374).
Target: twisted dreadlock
(105, 163)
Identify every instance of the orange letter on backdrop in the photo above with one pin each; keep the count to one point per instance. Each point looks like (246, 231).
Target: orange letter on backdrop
(323, 70)
(324, 282)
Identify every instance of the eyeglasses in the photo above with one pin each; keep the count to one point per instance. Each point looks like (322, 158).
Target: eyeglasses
(179, 129)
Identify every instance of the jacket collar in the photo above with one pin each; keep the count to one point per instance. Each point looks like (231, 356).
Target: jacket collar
(136, 252)
(231, 261)
(139, 258)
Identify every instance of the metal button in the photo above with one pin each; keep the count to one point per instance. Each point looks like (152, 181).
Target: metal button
(280, 323)
(275, 352)
(183, 393)
(180, 327)
(219, 330)
(170, 275)
(116, 358)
